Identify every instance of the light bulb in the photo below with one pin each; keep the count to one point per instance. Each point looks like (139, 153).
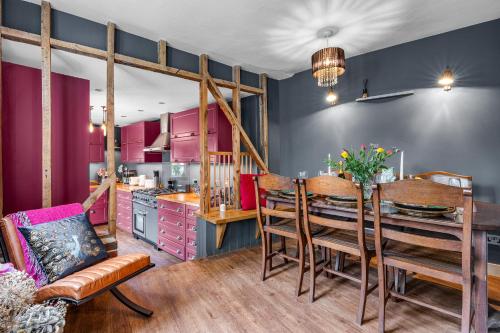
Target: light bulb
(446, 79)
(91, 127)
(331, 97)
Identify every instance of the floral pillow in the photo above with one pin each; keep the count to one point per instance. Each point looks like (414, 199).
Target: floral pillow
(64, 246)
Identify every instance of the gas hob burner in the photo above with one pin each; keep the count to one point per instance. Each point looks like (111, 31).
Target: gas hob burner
(153, 191)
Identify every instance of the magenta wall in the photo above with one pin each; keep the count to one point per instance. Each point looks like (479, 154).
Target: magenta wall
(22, 138)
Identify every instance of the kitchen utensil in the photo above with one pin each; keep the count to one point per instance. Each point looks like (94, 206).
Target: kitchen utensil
(156, 178)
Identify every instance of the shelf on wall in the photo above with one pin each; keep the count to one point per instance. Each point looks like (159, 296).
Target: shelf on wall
(391, 95)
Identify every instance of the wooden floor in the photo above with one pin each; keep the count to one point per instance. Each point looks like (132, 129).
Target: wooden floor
(225, 294)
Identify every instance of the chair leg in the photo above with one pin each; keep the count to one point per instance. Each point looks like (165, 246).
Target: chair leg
(302, 264)
(264, 255)
(269, 249)
(381, 297)
(128, 303)
(312, 272)
(466, 306)
(283, 248)
(365, 262)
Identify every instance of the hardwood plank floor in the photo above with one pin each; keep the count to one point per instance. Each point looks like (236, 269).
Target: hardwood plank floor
(225, 294)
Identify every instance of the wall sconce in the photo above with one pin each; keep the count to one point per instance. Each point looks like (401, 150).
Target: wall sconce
(331, 97)
(446, 79)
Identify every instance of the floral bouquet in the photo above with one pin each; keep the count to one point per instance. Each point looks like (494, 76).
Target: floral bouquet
(363, 164)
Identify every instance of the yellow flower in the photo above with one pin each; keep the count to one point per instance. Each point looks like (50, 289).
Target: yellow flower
(344, 154)
(380, 150)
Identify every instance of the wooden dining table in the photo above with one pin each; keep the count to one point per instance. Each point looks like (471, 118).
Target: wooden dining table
(486, 218)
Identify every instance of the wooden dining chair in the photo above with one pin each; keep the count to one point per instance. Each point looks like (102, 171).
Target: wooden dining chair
(447, 178)
(445, 255)
(341, 235)
(284, 223)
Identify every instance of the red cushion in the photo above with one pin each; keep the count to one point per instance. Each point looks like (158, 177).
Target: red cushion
(247, 192)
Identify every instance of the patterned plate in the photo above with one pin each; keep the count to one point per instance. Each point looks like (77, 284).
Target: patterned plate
(421, 210)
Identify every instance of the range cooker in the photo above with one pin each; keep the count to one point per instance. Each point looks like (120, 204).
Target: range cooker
(145, 214)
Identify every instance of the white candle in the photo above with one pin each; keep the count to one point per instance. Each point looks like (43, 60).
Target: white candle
(329, 167)
(401, 174)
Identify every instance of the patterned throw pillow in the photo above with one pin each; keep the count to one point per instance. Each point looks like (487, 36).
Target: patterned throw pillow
(64, 246)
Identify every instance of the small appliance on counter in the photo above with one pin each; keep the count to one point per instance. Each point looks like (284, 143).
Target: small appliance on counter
(127, 174)
(156, 178)
(177, 176)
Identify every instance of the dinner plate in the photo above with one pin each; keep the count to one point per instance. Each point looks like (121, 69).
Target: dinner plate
(422, 210)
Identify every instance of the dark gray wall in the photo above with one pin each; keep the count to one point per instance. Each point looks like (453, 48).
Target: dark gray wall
(454, 131)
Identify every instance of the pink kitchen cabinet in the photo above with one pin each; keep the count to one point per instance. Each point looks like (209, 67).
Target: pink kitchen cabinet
(185, 144)
(135, 138)
(98, 212)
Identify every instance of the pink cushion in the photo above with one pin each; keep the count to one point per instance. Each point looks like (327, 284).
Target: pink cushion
(38, 216)
(247, 192)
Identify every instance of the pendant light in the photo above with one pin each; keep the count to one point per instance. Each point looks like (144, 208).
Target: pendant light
(328, 63)
(103, 126)
(446, 79)
(331, 97)
(91, 125)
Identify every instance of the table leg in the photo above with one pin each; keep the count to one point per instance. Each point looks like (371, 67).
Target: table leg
(269, 238)
(480, 289)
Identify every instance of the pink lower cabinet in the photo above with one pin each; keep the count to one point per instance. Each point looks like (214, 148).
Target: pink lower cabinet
(98, 212)
(177, 229)
(124, 211)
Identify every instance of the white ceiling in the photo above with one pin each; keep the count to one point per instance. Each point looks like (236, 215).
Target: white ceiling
(135, 89)
(279, 36)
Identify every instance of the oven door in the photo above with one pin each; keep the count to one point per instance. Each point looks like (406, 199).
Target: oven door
(139, 222)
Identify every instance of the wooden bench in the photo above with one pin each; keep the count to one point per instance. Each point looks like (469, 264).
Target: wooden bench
(222, 219)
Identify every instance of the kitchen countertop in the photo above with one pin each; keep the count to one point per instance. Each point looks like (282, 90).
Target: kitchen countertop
(183, 198)
(121, 187)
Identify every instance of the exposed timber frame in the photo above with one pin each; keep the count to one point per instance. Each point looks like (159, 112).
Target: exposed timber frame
(1, 115)
(203, 128)
(46, 107)
(236, 104)
(110, 127)
(207, 83)
(264, 128)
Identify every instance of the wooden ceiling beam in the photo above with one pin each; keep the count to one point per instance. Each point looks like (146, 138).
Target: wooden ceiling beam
(34, 39)
(154, 67)
(21, 36)
(78, 49)
(228, 112)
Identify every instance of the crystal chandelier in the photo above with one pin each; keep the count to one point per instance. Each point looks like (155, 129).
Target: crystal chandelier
(328, 63)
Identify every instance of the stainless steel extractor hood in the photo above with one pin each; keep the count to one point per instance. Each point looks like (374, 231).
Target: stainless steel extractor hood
(162, 142)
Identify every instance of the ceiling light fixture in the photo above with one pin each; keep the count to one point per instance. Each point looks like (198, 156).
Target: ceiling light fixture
(98, 90)
(331, 97)
(140, 110)
(103, 126)
(123, 116)
(91, 125)
(161, 103)
(328, 63)
(446, 79)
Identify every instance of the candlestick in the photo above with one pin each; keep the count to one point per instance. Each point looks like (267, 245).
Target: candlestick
(329, 167)
(401, 172)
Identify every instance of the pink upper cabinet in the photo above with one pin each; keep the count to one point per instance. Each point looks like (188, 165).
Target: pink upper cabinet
(184, 124)
(135, 138)
(185, 144)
